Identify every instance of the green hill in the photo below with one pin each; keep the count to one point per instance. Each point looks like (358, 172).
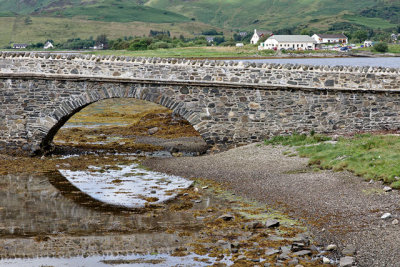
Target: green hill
(35, 20)
(278, 14)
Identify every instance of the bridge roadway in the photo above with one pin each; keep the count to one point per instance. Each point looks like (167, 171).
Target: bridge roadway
(226, 102)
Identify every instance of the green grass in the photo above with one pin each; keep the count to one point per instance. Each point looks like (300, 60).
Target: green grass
(120, 11)
(374, 23)
(393, 48)
(14, 29)
(191, 52)
(370, 156)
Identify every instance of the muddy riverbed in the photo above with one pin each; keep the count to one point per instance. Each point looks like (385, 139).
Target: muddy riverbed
(91, 202)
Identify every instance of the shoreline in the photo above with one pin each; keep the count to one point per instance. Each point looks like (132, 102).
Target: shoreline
(339, 207)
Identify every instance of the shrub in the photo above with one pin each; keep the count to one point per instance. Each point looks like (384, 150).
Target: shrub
(381, 47)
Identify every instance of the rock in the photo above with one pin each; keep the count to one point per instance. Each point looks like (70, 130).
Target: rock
(198, 201)
(302, 253)
(267, 264)
(326, 260)
(386, 215)
(152, 131)
(271, 251)
(387, 189)
(299, 265)
(271, 223)
(293, 262)
(226, 217)
(253, 225)
(331, 247)
(297, 246)
(346, 261)
(371, 181)
(395, 222)
(283, 256)
(349, 250)
(285, 249)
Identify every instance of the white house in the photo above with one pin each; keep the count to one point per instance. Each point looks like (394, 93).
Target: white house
(258, 35)
(48, 45)
(368, 43)
(288, 42)
(20, 46)
(330, 38)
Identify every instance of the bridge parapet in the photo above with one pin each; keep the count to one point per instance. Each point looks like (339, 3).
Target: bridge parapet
(200, 71)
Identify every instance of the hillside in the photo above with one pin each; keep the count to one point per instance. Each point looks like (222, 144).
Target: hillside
(37, 20)
(278, 14)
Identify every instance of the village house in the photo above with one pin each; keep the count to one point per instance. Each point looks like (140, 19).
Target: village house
(288, 42)
(258, 35)
(20, 46)
(330, 38)
(210, 39)
(48, 45)
(242, 34)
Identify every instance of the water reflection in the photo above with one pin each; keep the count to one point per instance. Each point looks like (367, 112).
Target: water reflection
(33, 205)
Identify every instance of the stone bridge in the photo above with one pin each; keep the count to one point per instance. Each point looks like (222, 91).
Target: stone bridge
(226, 102)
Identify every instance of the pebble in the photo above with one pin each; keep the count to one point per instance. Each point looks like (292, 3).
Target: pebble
(331, 247)
(346, 261)
(271, 251)
(386, 215)
(387, 189)
(326, 260)
(395, 221)
(271, 223)
(204, 187)
(293, 262)
(152, 130)
(349, 250)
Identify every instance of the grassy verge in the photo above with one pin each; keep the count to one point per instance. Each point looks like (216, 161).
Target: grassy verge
(370, 156)
(192, 52)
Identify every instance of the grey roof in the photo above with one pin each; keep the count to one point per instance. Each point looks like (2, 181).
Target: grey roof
(293, 38)
(340, 35)
(264, 33)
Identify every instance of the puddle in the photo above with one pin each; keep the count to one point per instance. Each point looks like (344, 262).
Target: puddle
(126, 186)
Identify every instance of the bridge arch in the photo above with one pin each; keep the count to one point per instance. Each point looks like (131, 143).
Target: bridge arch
(61, 110)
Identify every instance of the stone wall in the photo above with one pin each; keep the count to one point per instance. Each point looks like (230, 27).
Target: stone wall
(38, 95)
(204, 71)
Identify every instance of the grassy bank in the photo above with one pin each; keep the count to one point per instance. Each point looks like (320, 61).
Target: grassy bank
(192, 52)
(370, 156)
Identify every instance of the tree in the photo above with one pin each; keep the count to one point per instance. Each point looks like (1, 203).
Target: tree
(381, 47)
(28, 21)
(305, 32)
(360, 36)
(102, 39)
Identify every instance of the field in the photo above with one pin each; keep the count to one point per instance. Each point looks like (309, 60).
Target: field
(14, 29)
(193, 52)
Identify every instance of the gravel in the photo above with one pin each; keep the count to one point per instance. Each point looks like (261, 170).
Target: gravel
(346, 206)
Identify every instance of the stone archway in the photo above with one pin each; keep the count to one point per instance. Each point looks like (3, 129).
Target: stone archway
(46, 127)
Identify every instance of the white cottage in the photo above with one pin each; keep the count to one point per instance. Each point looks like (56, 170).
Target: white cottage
(330, 38)
(288, 42)
(258, 35)
(48, 45)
